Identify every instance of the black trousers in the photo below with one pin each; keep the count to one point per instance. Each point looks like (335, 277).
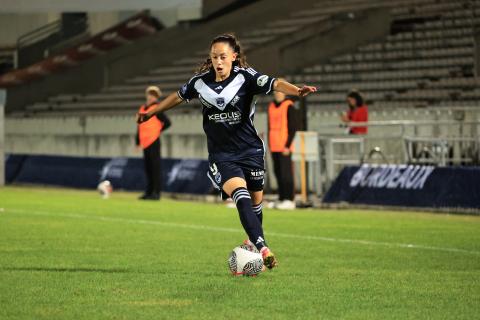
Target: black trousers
(151, 159)
(282, 165)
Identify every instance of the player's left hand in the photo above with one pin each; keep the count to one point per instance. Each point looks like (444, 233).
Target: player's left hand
(306, 90)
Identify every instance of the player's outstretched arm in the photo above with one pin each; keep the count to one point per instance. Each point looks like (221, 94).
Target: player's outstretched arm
(292, 90)
(168, 103)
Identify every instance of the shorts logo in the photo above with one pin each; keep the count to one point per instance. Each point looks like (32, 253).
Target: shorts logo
(262, 80)
(258, 173)
(218, 178)
(216, 174)
(220, 102)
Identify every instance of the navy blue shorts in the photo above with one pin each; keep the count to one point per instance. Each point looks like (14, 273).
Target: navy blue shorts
(251, 169)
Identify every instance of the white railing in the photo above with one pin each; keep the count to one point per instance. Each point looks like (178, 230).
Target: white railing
(401, 144)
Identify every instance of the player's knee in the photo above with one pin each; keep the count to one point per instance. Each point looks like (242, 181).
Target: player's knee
(257, 197)
(234, 183)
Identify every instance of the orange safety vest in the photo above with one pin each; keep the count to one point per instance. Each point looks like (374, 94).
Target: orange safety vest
(150, 130)
(278, 126)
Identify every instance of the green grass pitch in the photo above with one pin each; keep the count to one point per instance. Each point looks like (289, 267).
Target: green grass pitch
(68, 254)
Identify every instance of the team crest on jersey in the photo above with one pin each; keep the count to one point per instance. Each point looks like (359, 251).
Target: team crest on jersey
(220, 102)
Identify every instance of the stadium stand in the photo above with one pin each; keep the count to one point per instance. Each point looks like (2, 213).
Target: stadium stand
(170, 78)
(135, 27)
(429, 62)
(424, 57)
(428, 59)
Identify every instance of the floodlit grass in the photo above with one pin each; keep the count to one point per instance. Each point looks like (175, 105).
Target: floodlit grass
(67, 254)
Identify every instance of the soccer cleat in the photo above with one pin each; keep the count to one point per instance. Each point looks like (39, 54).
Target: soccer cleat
(250, 244)
(268, 258)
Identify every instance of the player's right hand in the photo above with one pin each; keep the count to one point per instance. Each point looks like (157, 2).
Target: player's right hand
(306, 90)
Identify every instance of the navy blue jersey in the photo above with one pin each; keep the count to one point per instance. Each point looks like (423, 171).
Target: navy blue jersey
(228, 111)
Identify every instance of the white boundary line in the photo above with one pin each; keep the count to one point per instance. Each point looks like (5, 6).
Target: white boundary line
(231, 230)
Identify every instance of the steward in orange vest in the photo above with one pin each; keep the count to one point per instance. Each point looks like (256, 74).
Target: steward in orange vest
(150, 130)
(148, 135)
(281, 131)
(278, 126)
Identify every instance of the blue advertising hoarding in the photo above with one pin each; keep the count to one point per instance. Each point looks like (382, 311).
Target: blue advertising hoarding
(178, 175)
(407, 185)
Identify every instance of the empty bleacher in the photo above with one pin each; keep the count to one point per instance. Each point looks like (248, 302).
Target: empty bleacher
(427, 60)
(430, 63)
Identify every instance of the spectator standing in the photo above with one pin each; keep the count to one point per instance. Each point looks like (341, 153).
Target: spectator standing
(281, 131)
(148, 138)
(358, 112)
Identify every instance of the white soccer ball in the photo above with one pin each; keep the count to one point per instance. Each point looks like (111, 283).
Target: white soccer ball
(245, 260)
(105, 188)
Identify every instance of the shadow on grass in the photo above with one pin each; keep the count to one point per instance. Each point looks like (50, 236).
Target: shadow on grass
(53, 269)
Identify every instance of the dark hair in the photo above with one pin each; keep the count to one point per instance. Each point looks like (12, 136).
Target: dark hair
(229, 38)
(357, 96)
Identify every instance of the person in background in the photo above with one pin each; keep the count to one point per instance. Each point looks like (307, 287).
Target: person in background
(148, 138)
(281, 131)
(358, 112)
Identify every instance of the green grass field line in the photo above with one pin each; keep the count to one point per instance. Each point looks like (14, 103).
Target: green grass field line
(68, 254)
(237, 230)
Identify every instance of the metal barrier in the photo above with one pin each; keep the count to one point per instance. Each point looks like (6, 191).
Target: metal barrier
(443, 151)
(406, 127)
(39, 34)
(400, 146)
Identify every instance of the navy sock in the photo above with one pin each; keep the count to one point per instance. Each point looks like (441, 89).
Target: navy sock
(257, 209)
(250, 222)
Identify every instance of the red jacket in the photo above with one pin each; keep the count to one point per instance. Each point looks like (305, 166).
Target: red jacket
(359, 114)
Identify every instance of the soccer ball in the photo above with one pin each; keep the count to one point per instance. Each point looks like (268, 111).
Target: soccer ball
(105, 188)
(245, 260)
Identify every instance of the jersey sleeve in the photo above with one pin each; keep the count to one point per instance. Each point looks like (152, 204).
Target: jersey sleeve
(259, 83)
(188, 92)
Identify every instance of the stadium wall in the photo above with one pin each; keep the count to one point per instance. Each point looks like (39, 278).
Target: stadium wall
(13, 25)
(108, 136)
(113, 136)
(100, 136)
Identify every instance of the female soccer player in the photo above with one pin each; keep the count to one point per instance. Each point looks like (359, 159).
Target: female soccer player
(226, 85)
